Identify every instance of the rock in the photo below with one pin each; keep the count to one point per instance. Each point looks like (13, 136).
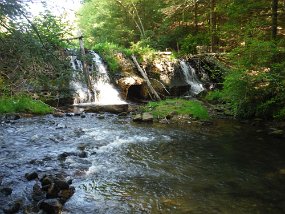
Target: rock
(31, 176)
(69, 114)
(12, 117)
(83, 154)
(101, 116)
(69, 182)
(77, 114)
(276, 132)
(46, 181)
(38, 194)
(61, 184)
(83, 116)
(164, 121)
(147, 117)
(61, 126)
(50, 206)
(6, 191)
(64, 195)
(63, 156)
(282, 171)
(35, 138)
(58, 114)
(137, 118)
(53, 191)
(13, 207)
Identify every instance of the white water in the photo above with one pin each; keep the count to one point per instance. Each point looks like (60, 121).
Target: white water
(191, 78)
(105, 92)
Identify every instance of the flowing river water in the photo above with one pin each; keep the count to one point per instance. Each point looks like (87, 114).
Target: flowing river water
(224, 167)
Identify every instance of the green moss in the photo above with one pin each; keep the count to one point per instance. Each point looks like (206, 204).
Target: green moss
(182, 107)
(23, 104)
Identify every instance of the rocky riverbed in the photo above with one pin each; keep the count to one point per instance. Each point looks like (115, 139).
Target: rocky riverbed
(106, 163)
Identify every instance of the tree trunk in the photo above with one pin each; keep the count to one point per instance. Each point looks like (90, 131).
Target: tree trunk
(146, 78)
(85, 71)
(138, 25)
(274, 19)
(213, 25)
(139, 18)
(196, 15)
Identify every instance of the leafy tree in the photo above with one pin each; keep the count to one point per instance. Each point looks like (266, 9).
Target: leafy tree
(31, 53)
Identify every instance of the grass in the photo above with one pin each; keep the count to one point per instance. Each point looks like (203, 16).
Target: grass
(23, 104)
(164, 108)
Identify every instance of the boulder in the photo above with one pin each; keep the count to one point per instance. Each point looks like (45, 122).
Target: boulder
(52, 191)
(137, 118)
(51, 206)
(147, 117)
(38, 194)
(6, 191)
(13, 207)
(65, 194)
(31, 176)
(276, 132)
(61, 184)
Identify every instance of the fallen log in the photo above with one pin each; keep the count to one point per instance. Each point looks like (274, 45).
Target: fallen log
(145, 78)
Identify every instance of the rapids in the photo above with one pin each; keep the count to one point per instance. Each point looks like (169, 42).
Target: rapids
(225, 167)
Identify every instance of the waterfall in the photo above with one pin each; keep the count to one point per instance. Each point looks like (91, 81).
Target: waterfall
(191, 78)
(105, 92)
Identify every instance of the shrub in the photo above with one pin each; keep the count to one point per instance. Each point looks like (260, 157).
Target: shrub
(23, 104)
(215, 96)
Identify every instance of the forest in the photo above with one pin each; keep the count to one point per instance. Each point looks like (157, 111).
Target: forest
(248, 37)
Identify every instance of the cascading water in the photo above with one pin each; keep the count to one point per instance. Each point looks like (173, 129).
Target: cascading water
(105, 93)
(191, 78)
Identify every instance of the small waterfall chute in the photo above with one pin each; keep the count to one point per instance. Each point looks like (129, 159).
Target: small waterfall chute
(191, 78)
(105, 92)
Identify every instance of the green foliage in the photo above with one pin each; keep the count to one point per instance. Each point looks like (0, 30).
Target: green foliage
(189, 44)
(164, 108)
(109, 51)
(255, 87)
(143, 50)
(32, 55)
(215, 96)
(102, 21)
(279, 115)
(255, 52)
(23, 104)
(52, 30)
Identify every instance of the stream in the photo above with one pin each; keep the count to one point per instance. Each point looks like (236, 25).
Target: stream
(118, 166)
